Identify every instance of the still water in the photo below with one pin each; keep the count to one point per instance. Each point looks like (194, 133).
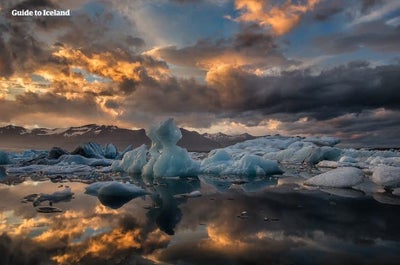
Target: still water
(256, 221)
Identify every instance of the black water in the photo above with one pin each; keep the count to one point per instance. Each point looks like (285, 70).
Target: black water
(259, 221)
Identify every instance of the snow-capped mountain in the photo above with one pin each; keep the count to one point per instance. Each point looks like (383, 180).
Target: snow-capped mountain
(16, 137)
(226, 140)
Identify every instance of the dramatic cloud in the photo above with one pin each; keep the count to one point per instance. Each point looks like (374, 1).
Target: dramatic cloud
(250, 48)
(257, 66)
(378, 36)
(281, 18)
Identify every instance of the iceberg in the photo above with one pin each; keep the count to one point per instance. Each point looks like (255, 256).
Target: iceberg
(164, 159)
(219, 162)
(114, 194)
(173, 160)
(387, 176)
(396, 192)
(132, 161)
(305, 152)
(345, 177)
(94, 150)
(252, 165)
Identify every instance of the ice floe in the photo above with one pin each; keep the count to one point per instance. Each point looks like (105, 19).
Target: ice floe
(345, 177)
(114, 194)
(387, 176)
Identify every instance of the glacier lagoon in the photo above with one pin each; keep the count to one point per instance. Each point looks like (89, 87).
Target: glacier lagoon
(272, 200)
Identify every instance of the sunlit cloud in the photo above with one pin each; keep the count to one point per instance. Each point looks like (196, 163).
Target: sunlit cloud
(280, 18)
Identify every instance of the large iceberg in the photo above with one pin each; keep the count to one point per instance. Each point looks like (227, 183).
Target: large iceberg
(166, 159)
(173, 160)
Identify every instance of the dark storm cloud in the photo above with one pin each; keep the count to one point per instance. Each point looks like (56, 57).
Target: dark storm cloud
(376, 35)
(347, 99)
(25, 45)
(370, 128)
(48, 103)
(327, 9)
(5, 60)
(349, 88)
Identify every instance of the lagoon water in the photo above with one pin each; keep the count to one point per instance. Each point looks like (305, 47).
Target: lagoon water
(235, 221)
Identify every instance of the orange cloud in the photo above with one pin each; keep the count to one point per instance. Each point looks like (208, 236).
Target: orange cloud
(281, 18)
(108, 65)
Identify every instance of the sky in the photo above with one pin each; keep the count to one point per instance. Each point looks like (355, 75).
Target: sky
(293, 67)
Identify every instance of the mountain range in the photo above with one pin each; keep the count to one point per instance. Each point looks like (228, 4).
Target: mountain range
(16, 138)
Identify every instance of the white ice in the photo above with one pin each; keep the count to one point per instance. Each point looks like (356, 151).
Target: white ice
(345, 177)
(387, 176)
(166, 159)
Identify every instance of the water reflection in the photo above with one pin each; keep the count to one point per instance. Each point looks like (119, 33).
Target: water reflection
(281, 226)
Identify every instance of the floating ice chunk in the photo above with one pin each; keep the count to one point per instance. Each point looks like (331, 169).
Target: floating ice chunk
(114, 194)
(121, 154)
(390, 161)
(305, 152)
(345, 177)
(252, 165)
(133, 161)
(348, 159)
(396, 192)
(114, 188)
(78, 159)
(89, 150)
(110, 151)
(216, 162)
(387, 176)
(368, 187)
(217, 156)
(58, 196)
(175, 161)
(219, 162)
(4, 159)
(328, 164)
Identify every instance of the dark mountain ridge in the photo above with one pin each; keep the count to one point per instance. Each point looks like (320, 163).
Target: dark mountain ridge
(18, 138)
